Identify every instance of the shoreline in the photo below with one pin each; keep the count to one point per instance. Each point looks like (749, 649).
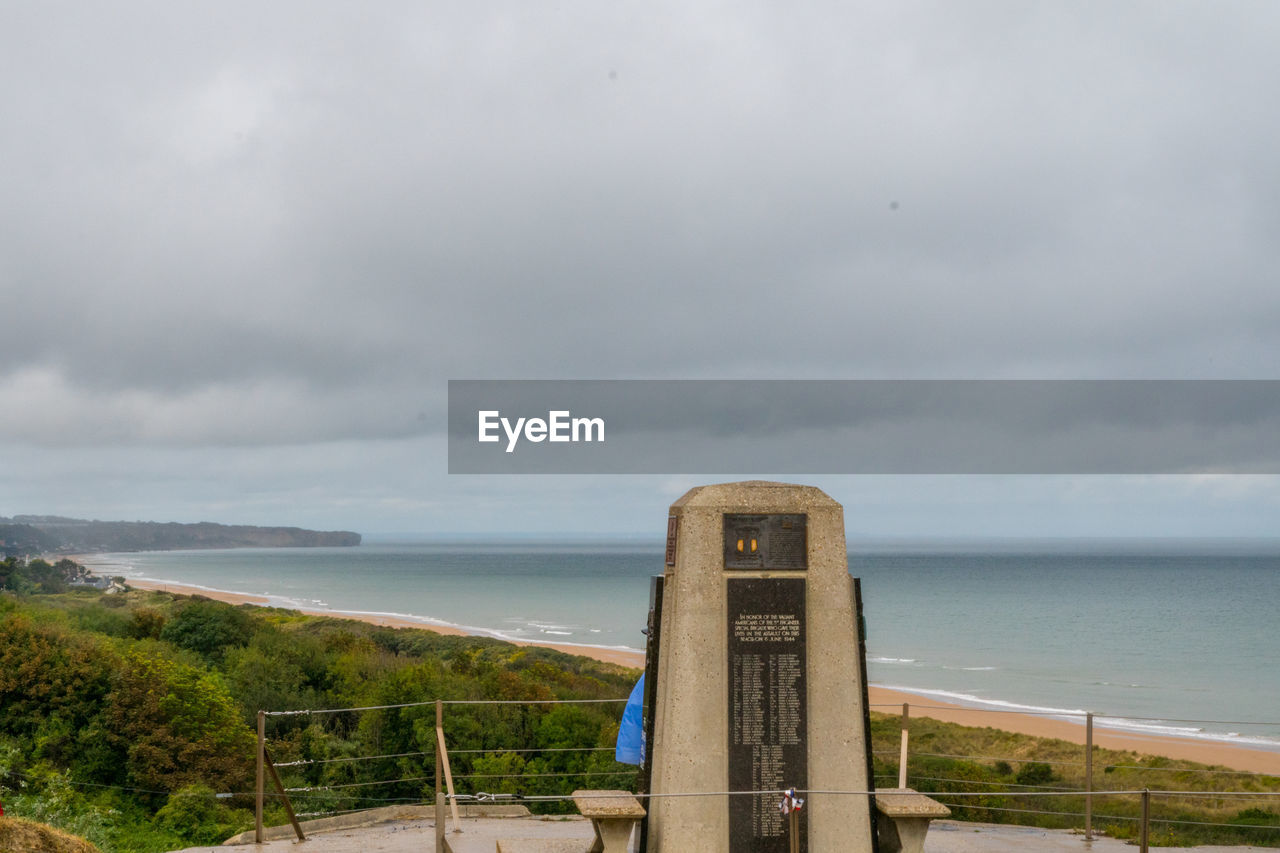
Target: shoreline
(1255, 760)
(882, 699)
(621, 657)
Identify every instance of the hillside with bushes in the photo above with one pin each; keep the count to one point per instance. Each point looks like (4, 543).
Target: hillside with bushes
(29, 535)
(129, 719)
(125, 716)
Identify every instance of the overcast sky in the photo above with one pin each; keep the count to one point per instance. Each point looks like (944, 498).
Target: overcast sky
(243, 246)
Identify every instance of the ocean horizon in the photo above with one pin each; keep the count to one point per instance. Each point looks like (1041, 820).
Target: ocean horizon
(1168, 637)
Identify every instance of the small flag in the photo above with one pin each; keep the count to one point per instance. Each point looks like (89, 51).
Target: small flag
(790, 802)
(630, 744)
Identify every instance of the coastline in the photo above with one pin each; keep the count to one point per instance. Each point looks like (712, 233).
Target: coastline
(621, 657)
(882, 699)
(888, 700)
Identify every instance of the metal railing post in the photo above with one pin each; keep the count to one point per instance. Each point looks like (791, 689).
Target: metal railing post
(1088, 777)
(902, 754)
(1144, 833)
(794, 826)
(261, 784)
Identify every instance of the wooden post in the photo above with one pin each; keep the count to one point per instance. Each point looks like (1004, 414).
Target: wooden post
(795, 830)
(442, 844)
(262, 751)
(444, 761)
(284, 796)
(1088, 777)
(1144, 834)
(902, 755)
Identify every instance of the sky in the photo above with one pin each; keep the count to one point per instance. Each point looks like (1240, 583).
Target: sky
(244, 246)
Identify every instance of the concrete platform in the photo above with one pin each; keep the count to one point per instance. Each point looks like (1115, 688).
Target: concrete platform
(481, 835)
(414, 832)
(541, 845)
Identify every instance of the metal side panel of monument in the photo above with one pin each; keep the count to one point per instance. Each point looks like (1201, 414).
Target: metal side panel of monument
(761, 683)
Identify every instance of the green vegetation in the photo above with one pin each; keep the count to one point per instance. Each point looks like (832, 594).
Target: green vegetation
(124, 717)
(39, 577)
(946, 757)
(16, 539)
(44, 534)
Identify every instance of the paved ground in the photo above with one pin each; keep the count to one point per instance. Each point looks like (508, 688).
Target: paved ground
(417, 835)
(947, 836)
(480, 835)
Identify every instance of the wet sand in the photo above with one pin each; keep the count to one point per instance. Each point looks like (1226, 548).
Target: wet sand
(882, 699)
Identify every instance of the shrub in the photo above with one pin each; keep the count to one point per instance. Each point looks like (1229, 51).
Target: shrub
(208, 627)
(1035, 774)
(194, 813)
(148, 624)
(176, 725)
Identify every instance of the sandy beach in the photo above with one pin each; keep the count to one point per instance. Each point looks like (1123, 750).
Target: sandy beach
(622, 657)
(882, 699)
(1186, 749)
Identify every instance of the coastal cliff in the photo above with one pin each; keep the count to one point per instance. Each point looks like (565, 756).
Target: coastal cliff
(54, 534)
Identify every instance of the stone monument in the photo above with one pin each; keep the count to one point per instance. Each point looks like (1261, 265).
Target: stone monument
(760, 676)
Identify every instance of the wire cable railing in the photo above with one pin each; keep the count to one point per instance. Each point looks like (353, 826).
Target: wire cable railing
(543, 775)
(434, 702)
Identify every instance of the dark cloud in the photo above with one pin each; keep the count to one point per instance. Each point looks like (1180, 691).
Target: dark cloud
(234, 224)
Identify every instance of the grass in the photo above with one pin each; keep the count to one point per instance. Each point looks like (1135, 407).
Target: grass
(1186, 807)
(24, 836)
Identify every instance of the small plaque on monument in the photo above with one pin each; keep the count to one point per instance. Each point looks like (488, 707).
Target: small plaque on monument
(776, 541)
(767, 718)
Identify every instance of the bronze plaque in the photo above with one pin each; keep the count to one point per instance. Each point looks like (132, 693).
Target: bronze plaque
(673, 524)
(768, 713)
(778, 541)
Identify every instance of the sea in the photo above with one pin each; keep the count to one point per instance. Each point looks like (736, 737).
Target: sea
(1166, 637)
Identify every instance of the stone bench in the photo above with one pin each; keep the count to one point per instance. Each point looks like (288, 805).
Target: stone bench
(613, 816)
(904, 819)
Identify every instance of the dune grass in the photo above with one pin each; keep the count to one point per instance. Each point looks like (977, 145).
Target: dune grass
(1045, 776)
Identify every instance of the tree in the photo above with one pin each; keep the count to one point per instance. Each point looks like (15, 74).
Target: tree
(208, 627)
(176, 725)
(46, 673)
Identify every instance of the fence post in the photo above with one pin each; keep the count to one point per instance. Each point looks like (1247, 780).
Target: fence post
(1144, 833)
(1088, 777)
(794, 819)
(284, 795)
(443, 752)
(442, 844)
(902, 754)
(262, 749)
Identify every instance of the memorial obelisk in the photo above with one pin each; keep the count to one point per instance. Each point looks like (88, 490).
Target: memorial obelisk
(761, 679)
